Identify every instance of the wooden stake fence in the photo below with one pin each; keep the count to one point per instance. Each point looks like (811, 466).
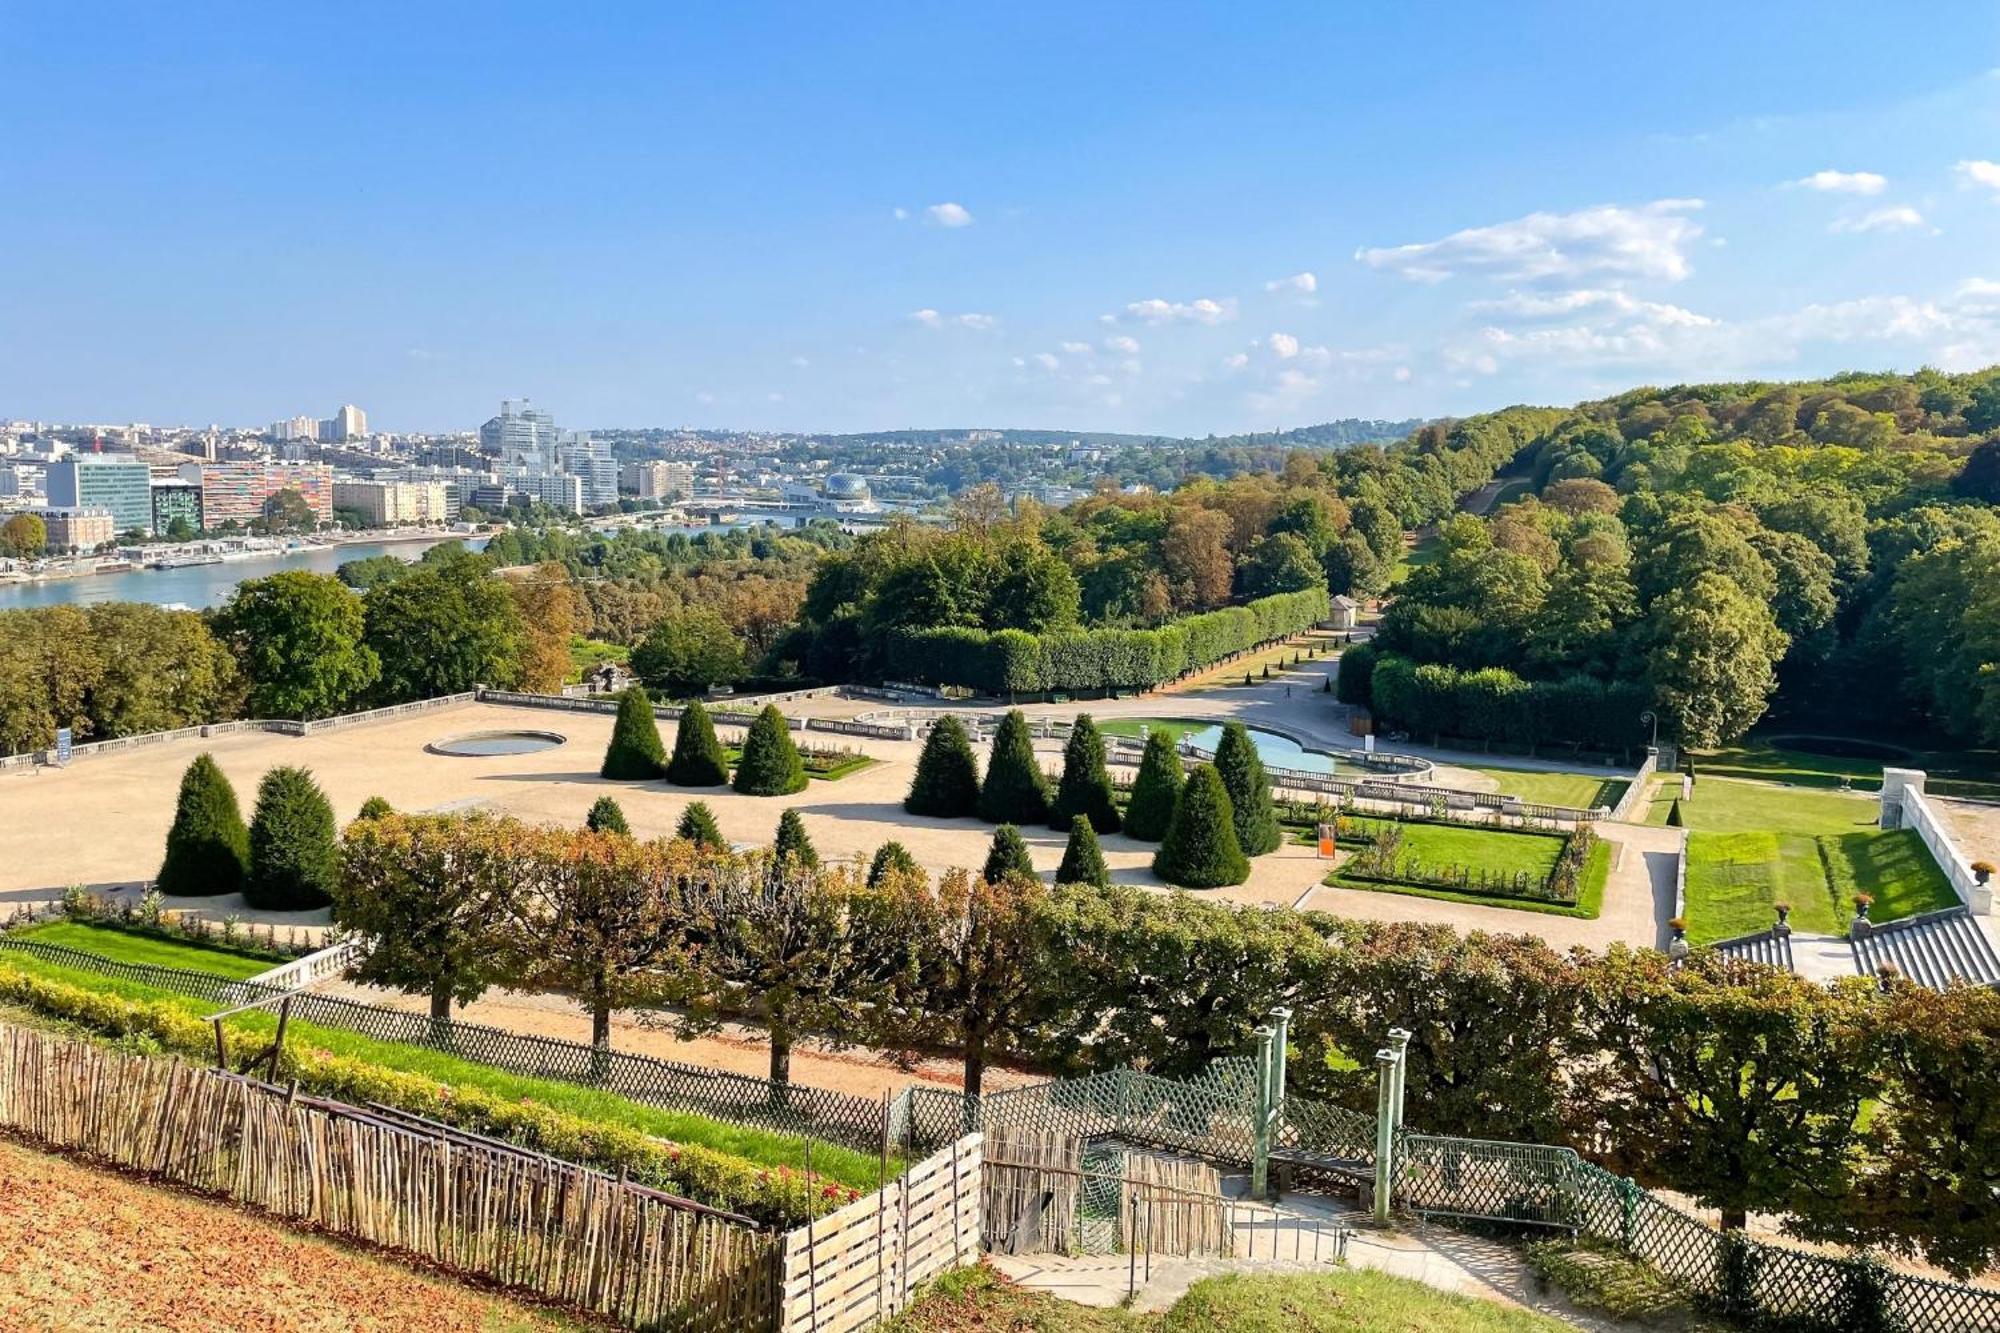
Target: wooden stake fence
(551, 1227)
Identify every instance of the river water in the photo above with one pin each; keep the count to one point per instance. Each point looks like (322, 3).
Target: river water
(201, 585)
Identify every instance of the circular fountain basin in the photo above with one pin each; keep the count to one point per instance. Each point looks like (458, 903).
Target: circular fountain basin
(480, 744)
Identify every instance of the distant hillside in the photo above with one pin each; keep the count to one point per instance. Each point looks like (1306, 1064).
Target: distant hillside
(1331, 434)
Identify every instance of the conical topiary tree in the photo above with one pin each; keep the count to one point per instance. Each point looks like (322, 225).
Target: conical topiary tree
(1200, 851)
(294, 847)
(1674, 819)
(374, 808)
(1242, 773)
(947, 782)
(698, 758)
(1008, 856)
(792, 846)
(606, 816)
(1015, 791)
(770, 765)
(891, 858)
(1085, 788)
(1155, 790)
(1083, 859)
(635, 751)
(698, 826)
(208, 847)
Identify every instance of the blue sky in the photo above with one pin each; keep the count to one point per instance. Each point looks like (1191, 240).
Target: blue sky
(1136, 217)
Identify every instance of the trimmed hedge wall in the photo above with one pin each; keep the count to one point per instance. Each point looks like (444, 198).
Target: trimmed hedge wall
(1494, 704)
(1012, 661)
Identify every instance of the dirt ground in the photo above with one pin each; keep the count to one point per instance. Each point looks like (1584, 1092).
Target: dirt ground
(83, 1249)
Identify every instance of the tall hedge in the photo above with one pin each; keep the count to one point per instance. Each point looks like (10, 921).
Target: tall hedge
(1085, 788)
(698, 758)
(1242, 773)
(770, 765)
(698, 826)
(1015, 791)
(208, 847)
(1356, 669)
(947, 782)
(1494, 704)
(1200, 850)
(1007, 857)
(294, 844)
(606, 816)
(1083, 859)
(635, 751)
(1155, 790)
(792, 846)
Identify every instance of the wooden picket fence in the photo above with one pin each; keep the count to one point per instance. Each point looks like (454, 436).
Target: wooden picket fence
(857, 1267)
(475, 1206)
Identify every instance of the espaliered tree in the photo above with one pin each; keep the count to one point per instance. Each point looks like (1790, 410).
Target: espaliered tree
(1155, 790)
(1200, 850)
(698, 826)
(698, 759)
(891, 858)
(431, 900)
(208, 847)
(606, 816)
(1085, 788)
(1016, 791)
(635, 751)
(294, 848)
(1242, 774)
(770, 765)
(1083, 859)
(792, 847)
(1007, 857)
(947, 782)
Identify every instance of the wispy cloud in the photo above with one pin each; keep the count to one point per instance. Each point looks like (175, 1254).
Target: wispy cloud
(1608, 243)
(1844, 182)
(948, 215)
(932, 319)
(1201, 310)
(1900, 217)
(1299, 285)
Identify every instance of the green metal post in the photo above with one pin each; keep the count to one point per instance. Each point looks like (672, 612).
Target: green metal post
(1385, 1131)
(1260, 1118)
(1628, 1198)
(1399, 1044)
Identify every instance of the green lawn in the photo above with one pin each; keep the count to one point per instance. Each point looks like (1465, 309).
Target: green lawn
(1334, 1301)
(1579, 791)
(1493, 849)
(1415, 557)
(1137, 727)
(1974, 773)
(127, 947)
(764, 1146)
(1752, 845)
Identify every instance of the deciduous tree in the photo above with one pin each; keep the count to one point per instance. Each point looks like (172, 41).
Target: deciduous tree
(300, 639)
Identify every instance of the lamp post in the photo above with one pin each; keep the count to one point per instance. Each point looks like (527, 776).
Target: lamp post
(1650, 716)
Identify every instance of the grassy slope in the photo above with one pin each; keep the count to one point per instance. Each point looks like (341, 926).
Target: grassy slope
(126, 947)
(1333, 1302)
(1973, 773)
(767, 1147)
(1753, 844)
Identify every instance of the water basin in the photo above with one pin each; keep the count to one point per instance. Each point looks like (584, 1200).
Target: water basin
(481, 743)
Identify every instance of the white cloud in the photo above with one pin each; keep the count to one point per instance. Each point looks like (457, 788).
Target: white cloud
(901, 214)
(1284, 345)
(1556, 305)
(1076, 349)
(800, 362)
(931, 319)
(948, 215)
(1845, 182)
(775, 397)
(1610, 243)
(1977, 172)
(1047, 361)
(1299, 284)
(1121, 343)
(1202, 310)
(1236, 361)
(1899, 217)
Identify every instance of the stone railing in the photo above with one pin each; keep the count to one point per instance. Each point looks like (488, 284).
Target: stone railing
(1904, 805)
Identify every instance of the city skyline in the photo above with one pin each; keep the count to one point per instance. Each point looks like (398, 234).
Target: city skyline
(1173, 223)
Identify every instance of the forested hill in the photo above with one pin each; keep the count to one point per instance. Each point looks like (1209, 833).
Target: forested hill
(1827, 548)
(1330, 434)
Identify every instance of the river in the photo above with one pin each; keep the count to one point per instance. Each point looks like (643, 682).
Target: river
(202, 585)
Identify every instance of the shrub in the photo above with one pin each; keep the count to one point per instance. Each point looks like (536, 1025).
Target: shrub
(1242, 774)
(698, 758)
(1674, 819)
(606, 816)
(891, 858)
(947, 782)
(770, 765)
(1085, 788)
(635, 750)
(294, 844)
(1156, 789)
(1008, 856)
(1200, 850)
(1015, 791)
(1083, 859)
(374, 808)
(792, 846)
(698, 826)
(1356, 669)
(208, 847)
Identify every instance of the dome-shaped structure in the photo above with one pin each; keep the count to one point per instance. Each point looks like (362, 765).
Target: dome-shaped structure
(847, 486)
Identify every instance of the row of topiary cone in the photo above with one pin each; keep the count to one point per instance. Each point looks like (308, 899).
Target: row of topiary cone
(1208, 826)
(286, 859)
(770, 765)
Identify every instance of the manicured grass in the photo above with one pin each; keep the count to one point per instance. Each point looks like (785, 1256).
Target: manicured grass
(1501, 850)
(1579, 791)
(1279, 658)
(767, 1147)
(1589, 899)
(1752, 845)
(1415, 557)
(1974, 773)
(1335, 1301)
(126, 947)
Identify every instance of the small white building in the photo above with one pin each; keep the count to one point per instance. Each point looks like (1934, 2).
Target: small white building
(1345, 613)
